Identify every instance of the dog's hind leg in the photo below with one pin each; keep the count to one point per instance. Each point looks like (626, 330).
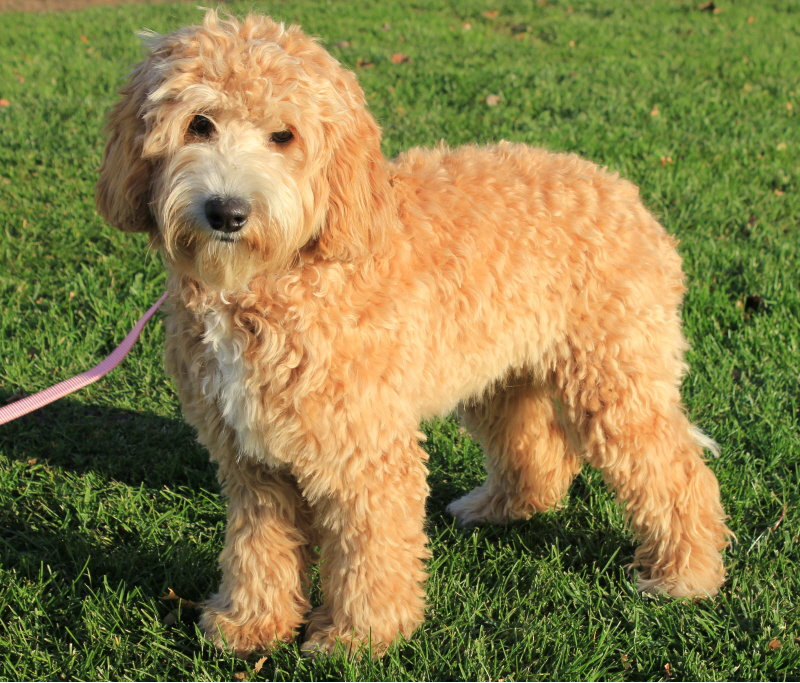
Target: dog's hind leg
(530, 458)
(262, 598)
(624, 398)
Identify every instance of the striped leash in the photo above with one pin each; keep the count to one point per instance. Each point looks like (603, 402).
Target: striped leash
(30, 403)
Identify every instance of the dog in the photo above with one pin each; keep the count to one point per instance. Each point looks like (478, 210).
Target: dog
(324, 300)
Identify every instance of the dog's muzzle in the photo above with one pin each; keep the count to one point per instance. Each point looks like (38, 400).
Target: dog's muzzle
(227, 214)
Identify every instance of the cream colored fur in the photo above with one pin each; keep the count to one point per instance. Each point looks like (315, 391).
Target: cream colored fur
(531, 291)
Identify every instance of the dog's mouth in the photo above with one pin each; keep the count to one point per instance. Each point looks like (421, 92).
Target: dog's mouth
(226, 239)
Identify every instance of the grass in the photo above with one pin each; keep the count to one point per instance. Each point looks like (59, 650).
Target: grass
(106, 502)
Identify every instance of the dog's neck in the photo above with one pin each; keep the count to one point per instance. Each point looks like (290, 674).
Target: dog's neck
(201, 289)
(312, 277)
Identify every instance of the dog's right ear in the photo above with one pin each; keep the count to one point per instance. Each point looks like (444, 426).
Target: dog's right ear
(123, 189)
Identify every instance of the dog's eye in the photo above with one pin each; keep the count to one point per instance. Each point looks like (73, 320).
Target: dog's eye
(201, 127)
(281, 137)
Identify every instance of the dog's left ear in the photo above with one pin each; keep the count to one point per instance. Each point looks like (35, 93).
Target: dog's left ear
(359, 203)
(123, 189)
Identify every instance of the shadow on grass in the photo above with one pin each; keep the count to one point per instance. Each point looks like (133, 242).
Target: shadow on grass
(135, 568)
(141, 449)
(136, 449)
(144, 449)
(580, 537)
(128, 446)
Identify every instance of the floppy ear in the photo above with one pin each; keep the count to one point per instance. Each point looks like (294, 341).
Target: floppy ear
(123, 189)
(359, 202)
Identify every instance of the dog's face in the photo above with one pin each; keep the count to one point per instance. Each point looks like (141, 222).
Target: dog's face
(240, 147)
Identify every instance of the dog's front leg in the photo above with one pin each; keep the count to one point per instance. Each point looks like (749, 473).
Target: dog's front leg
(262, 598)
(369, 516)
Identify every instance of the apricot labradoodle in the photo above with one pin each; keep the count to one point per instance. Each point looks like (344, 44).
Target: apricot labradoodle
(325, 299)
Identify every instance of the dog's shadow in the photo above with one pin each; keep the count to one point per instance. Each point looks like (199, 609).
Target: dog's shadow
(152, 452)
(574, 532)
(150, 455)
(123, 445)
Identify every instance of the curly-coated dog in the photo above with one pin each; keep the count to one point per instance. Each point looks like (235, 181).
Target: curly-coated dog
(325, 299)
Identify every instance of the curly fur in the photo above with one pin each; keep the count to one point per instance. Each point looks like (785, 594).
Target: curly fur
(532, 291)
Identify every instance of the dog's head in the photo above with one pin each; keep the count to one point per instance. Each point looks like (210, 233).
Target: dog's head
(240, 146)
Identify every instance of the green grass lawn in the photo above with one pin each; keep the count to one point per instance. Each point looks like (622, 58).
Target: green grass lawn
(105, 500)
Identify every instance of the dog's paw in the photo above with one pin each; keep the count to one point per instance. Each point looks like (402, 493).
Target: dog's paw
(480, 506)
(692, 582)
(681, 587)
(253, 637)
(323, 638)
(698, 573)
(322, 643)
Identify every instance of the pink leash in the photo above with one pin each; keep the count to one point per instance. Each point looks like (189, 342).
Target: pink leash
(30, 403)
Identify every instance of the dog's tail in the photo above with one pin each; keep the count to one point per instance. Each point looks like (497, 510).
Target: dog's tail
(704, 441)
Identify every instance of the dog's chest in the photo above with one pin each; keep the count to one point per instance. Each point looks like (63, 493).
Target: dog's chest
(227, 382)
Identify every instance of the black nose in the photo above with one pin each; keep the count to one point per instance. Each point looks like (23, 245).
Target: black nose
(227, 215)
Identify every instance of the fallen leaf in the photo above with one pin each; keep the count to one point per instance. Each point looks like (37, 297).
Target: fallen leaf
(343, 43)
(466, 26)
(491, 14)
(84, 39)
(777, 192)
(33, 461)
(171, 595)
(709, 7)
(655, 111)
(400, 58)
(789, 106)
(754, 303)
(751, 20)
(386, 27)
(668, 669)
(775, 644)
(4, 103)
(781, 146)
(664, 161)
(257, 666)
(493, 100)
(241, 676)
(761, 305)
(572, 43)
(363, 63)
